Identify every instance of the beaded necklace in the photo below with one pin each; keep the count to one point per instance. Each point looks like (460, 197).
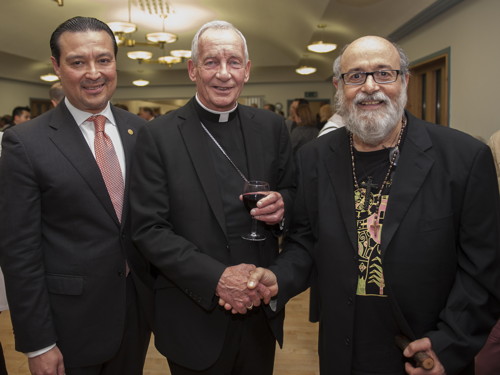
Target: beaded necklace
(369, 184)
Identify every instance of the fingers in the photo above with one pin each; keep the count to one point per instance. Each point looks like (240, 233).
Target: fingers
(255, 278)
(423, 345)
(243, 287)
(270, 209)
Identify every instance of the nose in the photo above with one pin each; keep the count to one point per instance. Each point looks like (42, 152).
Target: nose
(370, 85)
(92, 71)
(223, 72)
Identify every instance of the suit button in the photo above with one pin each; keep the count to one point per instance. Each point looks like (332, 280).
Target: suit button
(347, 341)
(349, 301)
(121, 274)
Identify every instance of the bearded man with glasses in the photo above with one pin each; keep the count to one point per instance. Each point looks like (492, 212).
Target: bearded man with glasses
(400, 220)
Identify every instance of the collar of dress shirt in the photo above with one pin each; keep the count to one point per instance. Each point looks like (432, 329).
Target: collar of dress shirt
(82, 116)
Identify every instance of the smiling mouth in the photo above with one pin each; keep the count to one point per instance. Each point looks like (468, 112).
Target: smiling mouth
(221, 88)
(93, 87)
(374, 102)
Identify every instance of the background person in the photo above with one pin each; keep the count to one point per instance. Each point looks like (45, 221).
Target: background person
(305, 128)
(146, 113)
(19, 115)
(56, 94)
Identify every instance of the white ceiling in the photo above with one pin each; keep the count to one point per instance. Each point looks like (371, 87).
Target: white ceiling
(277, 32)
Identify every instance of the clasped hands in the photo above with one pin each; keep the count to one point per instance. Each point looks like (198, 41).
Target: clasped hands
(244, 286)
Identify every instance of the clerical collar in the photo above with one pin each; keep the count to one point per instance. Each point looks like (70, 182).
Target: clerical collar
(214, 116)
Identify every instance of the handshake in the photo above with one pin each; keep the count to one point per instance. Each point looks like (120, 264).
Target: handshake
(244, 286)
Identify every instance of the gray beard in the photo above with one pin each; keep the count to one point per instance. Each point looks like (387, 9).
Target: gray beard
(372, 127)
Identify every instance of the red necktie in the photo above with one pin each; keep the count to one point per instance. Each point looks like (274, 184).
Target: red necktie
(107, 161)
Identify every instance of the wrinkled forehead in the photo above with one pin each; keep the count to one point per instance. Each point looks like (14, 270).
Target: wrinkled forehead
(214, 38)
(370, 53)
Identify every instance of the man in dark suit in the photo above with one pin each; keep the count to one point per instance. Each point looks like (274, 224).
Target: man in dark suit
(187, 217)
(400, 219)
(70, 267)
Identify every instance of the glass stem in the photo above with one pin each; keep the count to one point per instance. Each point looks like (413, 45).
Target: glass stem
(254, 226)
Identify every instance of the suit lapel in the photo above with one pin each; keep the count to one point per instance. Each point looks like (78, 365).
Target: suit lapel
(69, 139)
(197, 147)
(339, 168)
(413, 167)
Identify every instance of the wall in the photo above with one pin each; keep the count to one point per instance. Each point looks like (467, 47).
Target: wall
(471, 30)
(14, 94)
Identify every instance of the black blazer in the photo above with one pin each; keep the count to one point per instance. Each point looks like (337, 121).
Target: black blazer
(440, 243)
(178, 223)
(62, 248)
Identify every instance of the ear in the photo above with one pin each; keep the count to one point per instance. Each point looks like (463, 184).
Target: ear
(192, 70)
(335, 82)
(407, 79)
(247, 70)
(55, 66)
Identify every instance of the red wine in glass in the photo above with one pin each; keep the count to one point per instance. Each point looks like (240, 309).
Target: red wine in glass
(250, 200)
(253, 191)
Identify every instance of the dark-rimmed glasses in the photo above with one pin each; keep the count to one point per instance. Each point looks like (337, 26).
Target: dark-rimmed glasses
(379, 76)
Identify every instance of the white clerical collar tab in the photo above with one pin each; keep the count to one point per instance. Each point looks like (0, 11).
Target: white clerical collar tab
(223, 116)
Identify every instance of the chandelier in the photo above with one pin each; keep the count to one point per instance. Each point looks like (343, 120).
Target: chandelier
(321, 46)
(123, 33)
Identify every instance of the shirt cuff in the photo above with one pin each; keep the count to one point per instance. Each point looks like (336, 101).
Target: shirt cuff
(40, 352)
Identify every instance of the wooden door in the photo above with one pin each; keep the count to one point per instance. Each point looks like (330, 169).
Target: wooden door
(428, 93)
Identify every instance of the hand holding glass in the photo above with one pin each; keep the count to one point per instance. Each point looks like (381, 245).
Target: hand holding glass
(254, 191)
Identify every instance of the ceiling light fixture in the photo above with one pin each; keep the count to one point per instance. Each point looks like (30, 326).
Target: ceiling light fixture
(305, 70)
(182, 53)
(169, 60)
(121, 27)
(321, 46)
(122, 30)
(59, 2)
(140, 82)
(49, 77)
(139, 55)
(161, 37)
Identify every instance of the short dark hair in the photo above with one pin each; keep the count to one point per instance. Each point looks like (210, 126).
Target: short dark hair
(75, 25)
(18, 111)
(148, 110)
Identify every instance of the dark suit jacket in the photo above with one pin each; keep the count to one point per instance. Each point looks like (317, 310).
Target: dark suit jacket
(179, 224)
(62, 247)
(440, 243)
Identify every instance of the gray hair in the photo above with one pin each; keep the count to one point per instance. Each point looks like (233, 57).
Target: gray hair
(404, 62)
(215, 25)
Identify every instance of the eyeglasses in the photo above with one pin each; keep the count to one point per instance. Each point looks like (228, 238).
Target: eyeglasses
(379, 76)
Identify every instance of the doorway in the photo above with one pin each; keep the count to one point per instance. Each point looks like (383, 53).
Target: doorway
(428, 89)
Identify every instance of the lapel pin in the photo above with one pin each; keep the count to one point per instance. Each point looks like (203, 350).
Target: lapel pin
(130, 131)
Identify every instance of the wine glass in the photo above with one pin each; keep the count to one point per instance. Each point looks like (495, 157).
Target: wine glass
(253, 191)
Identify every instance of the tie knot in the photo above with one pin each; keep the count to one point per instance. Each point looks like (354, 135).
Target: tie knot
(99, 122)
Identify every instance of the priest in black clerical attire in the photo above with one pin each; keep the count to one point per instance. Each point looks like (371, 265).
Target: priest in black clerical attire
(188, 219)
